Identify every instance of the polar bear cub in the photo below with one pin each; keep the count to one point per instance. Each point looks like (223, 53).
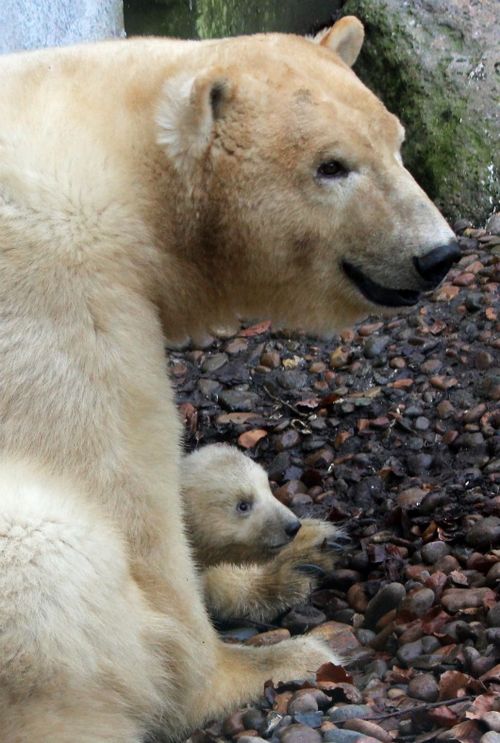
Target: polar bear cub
(257, 559)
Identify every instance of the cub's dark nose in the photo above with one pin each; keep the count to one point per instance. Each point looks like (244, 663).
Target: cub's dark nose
(434, 266)
(292, 528)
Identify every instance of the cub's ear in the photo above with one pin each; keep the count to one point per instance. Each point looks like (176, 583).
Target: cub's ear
(188, 109)
(345, 38)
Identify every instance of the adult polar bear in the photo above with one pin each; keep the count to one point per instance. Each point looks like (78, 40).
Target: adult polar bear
(151, 187)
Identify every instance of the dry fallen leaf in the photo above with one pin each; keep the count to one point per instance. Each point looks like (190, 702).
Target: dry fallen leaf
(258, 329)
(249, 439)
(332, 672)
(481, 705)
(189, 416)
(453, 684)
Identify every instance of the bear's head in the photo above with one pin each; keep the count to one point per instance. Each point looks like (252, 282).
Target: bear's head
(231, 513)
(294, 200)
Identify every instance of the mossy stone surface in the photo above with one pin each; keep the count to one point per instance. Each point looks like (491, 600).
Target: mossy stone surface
(430, 69)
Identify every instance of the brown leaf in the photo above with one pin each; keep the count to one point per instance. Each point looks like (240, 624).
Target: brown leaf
(189, 416)
(329, 399)
(443, 716)
(453, 684)
(332, 672)
(493, 675)
(459, 578)
(429, 532)
(481, 705)
(465, 732)
(236, 418)
(310, 403)
(341, 692)
(249, 439)
(258, 329)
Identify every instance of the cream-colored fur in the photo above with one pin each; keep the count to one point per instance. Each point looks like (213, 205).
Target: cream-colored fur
(231, 513)
(153, 188)
(254, 564)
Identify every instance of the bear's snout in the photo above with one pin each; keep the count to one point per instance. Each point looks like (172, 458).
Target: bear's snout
(434, 265)
(292, 528)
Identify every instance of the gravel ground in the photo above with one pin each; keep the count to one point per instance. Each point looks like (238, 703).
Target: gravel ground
(390, 429)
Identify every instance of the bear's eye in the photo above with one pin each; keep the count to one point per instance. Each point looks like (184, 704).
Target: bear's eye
(244, 506)
(332, 169)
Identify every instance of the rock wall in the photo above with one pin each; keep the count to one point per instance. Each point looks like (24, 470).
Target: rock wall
(436, 64)
(27, 24)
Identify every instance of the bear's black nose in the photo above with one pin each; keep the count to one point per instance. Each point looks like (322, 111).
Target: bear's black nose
(434, 266)
(292, 528)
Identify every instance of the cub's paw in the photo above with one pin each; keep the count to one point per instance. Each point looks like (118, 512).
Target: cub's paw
(296, 571)
(317, 544)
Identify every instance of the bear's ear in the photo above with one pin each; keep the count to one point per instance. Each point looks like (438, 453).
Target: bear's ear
(345, 38)
(189, 107)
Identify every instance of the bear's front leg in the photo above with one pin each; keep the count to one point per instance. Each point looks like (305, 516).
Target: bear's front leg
(261, 592)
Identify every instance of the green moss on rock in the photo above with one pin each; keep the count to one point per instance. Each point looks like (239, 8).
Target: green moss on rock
(447, 149)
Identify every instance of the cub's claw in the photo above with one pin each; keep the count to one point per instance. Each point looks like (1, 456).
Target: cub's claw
(309, 569)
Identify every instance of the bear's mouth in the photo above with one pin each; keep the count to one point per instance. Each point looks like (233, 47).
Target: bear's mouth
(377, 293)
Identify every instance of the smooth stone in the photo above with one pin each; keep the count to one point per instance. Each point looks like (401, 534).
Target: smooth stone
(349, 712)
(493, 616)
(389, 597)
(300, 734)
(433, 551)
(424, 687)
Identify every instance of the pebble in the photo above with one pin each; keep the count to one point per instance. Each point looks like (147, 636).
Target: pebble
(418, 602)
(303, 619)
(349, 712)
(483, 360)
(233, 724)
(455, 599)
(214, 362)
(493, 616)
(445, 409)
(251, 739)
(411, 498)
(286, 440)
(375, 346)
(389, 597)
(371, 729)
(340, 357)
(356, 596)
(302, 703)
(300, 734)
(311, 719)
(424, 687)
(493, 575)
(409, 652)
(434, 551)
(338, 635)
(446, 564)
(341, 736)
(253, 719)
(490, 737)
(485, 534)
(241, 400)
(271, 359)
(492, 720)
(344, 578)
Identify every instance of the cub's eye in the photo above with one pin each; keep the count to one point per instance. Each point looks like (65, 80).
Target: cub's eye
(244, 506)
(332, 169)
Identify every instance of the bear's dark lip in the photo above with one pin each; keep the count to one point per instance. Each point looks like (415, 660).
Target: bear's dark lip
(377, 293)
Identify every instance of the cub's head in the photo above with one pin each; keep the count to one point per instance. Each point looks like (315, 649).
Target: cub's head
(231, 513)
(300, 207)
